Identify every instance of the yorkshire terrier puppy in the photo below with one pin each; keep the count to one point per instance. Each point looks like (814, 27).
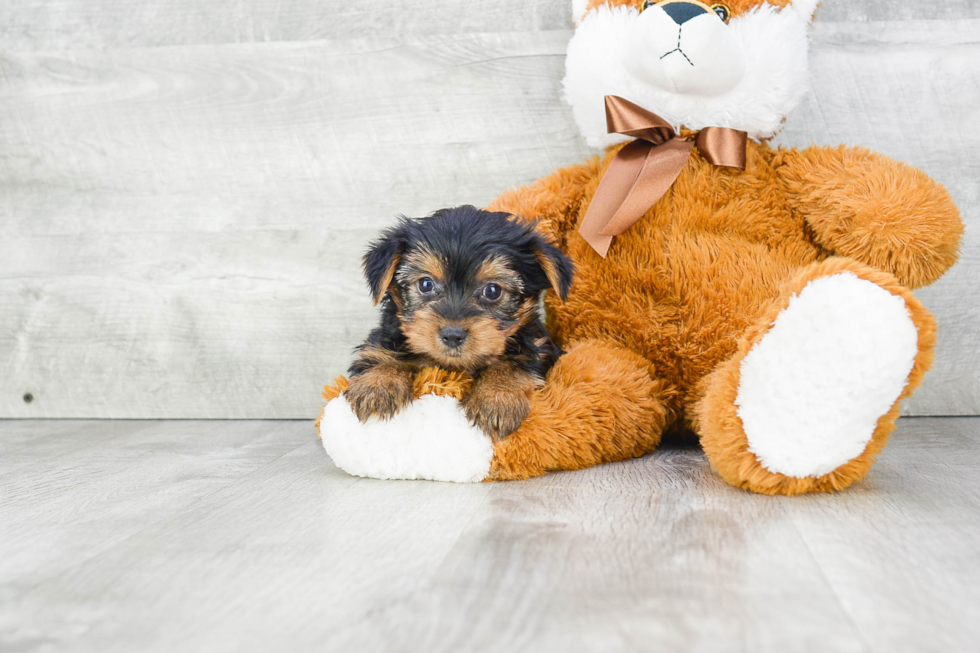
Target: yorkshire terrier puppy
(459, 290)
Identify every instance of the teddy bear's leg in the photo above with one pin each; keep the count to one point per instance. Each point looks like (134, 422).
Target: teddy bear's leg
(813, 392)
(599, 404)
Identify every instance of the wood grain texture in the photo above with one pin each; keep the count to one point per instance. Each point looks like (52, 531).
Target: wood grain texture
(181, 227)
(31, 25)
(126, 488)
(34, 25)
(194, 249)
(924, 493)
(241, 536)
(564, 566)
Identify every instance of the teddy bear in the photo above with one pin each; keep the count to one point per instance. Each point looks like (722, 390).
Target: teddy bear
(757, 297)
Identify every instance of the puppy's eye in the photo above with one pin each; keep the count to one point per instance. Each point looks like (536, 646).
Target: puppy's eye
(492, 292)
(723, 11)
(425, 285)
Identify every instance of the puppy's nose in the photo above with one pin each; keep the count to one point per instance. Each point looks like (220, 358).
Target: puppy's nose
(682, 12)
(453, 336)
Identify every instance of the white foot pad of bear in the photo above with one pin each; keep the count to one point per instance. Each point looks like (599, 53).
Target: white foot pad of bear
(812, 389)
(430, 439)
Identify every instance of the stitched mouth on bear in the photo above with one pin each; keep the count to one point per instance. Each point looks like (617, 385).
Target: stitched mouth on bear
(685, 47)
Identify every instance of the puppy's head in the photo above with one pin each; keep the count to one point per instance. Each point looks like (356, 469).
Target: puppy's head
(463, 281)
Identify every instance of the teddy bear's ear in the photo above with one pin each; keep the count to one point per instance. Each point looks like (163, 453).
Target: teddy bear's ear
(578, 10)
(382, 258)
(807, 8)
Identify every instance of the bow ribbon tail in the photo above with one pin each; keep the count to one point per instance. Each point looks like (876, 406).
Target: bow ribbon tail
(637, 178)
(723, 147)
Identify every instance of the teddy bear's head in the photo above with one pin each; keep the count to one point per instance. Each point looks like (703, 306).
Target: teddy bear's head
(739, 63)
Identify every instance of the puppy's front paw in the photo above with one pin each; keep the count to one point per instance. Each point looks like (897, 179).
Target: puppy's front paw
(497, 408)
(379, 392)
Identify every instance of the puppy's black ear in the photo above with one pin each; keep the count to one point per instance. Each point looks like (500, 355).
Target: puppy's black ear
(382, 259)
(557, 267)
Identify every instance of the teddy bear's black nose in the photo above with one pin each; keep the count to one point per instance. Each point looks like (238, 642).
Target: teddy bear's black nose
(682, 12)
(453, 336)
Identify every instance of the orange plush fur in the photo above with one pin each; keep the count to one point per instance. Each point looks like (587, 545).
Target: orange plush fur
(693, 285)
(655, 333)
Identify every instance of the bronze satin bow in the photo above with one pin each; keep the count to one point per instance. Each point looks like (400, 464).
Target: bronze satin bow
(644, 170)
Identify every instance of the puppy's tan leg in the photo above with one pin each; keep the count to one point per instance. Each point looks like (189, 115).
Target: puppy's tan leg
(500, 399)
(382, 388)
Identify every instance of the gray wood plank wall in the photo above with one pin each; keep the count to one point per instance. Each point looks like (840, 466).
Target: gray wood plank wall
(186, 188)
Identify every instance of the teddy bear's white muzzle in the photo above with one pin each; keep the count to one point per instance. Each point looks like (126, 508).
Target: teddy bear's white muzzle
(684, 47)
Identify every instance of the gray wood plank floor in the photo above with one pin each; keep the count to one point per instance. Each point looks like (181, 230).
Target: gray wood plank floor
(242, 536)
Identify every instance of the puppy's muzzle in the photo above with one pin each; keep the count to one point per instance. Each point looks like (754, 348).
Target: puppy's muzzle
(453, 337)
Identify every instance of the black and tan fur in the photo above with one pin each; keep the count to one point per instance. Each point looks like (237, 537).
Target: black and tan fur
(459, 290)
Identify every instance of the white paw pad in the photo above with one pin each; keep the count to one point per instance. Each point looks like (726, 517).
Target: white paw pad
(430, 439)
(812, 389)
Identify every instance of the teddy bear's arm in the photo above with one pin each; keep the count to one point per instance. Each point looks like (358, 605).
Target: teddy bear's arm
(555, 199)
(868, 207)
